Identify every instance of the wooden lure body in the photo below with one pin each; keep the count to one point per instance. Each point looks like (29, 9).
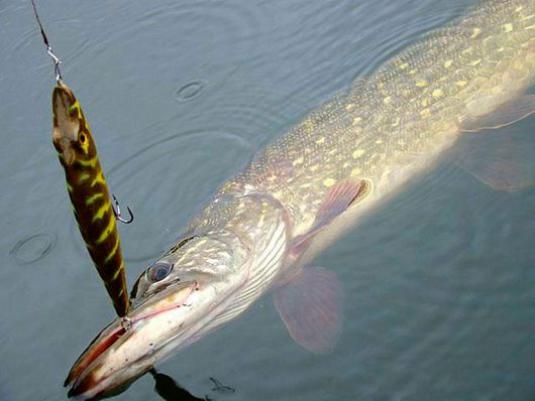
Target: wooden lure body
(89, 193)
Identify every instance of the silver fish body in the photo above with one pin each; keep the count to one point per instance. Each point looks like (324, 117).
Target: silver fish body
(261, 227)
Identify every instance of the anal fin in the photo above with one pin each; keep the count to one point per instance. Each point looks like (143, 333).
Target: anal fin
(310, 307)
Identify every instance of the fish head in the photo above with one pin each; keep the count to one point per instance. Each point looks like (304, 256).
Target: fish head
(70, 132)
(175, 301)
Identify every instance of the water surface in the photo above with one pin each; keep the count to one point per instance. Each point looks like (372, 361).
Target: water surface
(439, 282)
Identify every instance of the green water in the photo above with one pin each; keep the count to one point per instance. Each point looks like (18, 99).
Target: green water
(439, 283)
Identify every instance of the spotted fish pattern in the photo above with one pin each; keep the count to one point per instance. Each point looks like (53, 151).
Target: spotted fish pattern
(394, 123)
(356, 150)
(88, 192)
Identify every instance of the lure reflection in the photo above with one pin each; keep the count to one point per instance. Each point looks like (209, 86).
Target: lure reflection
(89, 193)
(264, 226)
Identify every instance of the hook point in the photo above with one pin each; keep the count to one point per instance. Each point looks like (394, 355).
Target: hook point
(117, 212)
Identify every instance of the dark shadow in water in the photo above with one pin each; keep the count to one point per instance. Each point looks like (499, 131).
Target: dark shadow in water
(170, 390)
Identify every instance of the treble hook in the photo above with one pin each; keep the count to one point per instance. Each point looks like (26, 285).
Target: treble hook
(49, 50)
(117, 212)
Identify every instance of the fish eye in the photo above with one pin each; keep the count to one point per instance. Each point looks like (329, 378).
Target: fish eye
(159, 271)
(82, 137)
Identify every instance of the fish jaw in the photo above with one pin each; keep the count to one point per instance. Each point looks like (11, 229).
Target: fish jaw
(128, 348)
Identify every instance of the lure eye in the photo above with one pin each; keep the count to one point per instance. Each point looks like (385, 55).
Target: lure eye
(82, 138)
(159, 271)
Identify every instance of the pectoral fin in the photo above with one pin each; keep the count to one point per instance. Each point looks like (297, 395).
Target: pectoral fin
(507, 114)
(310, 307)
(337, 200)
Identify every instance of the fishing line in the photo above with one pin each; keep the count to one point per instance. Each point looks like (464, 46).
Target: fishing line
(49, 50)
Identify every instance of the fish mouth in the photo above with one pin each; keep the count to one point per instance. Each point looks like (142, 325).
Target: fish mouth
(128, 347)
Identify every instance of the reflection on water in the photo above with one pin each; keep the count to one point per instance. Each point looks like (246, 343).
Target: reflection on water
(180, 95)
(160, 199)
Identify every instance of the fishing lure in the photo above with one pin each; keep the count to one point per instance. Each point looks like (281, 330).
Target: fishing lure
(89, 193)
(87, 187)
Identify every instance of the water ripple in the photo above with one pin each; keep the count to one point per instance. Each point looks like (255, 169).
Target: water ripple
(167, 180)
(33, 248)
(225, 27)
(255, 113)
(329, 60)
(189, 91)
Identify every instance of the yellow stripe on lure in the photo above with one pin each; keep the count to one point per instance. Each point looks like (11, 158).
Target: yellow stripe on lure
(88, 192)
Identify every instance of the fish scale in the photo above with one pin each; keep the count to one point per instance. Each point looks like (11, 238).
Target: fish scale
(414, 104)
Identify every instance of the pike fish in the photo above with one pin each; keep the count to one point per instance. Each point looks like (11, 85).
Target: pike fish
(89, 193)
(262, 228)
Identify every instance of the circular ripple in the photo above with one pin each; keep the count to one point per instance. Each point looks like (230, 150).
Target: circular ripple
(33, 248)
(189, 91)
(406, 30)
(202, 33)
(253, 112)
(167, 181)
